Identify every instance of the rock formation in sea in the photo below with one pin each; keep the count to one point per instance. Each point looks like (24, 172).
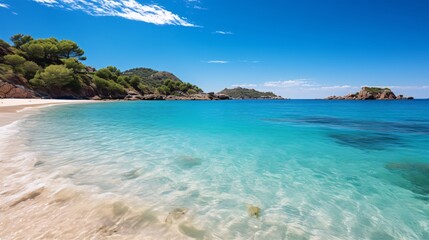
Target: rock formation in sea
(371, 93)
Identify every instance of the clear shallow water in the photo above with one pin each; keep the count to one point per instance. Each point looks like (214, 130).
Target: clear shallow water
(317, 169)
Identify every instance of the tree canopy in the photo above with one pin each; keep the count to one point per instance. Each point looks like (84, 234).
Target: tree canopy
(20, 39)
(69, 49)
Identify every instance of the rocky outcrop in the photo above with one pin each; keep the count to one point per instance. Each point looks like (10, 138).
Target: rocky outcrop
(370, 93)
(217, 96)
(153, 97)
(133, 95)
(9, 90)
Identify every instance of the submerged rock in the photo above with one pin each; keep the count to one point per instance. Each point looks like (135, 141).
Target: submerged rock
(367, 140)
(119, 209)
(28, 196)
(421, 167)
(38, 163)
(189, 161)
(132, 174)
(416, 174)
(176, 214)
(253, 211)
(191, 231)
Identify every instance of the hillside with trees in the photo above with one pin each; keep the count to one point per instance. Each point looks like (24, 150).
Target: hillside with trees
(164, 82)
(245, 93)
(52, 68)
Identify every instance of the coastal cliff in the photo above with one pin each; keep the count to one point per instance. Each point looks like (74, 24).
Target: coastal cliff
(371, 93)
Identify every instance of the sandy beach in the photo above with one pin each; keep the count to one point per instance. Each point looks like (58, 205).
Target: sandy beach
(14, 109)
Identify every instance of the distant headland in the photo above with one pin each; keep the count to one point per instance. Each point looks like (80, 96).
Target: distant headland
(371, 93)
(245, 93)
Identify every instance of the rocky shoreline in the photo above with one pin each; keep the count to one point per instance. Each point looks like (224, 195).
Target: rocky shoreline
(371, 93)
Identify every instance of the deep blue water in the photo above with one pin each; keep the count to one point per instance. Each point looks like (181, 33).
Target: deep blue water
(317, 169)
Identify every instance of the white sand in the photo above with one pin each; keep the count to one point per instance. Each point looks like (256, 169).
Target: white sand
(7, 102)
(14, 109)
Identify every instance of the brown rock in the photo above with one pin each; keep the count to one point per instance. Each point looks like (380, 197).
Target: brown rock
(134, 97)
(222, 96)
(153, 97)
(9, 90)
(387, 94)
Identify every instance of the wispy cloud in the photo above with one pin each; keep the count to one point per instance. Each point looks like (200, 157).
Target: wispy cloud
(196, 4)
(200, 8)
(249, 61)
(245, 85)
(335, 87)
(4, 5)
(290, 83)
(305, 84)
(223, 33)
(217, 61)
(223, 61)
(128, 9)
(406, 87)
(46, 1)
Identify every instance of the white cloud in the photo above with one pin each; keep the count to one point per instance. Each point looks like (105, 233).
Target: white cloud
(289, 83)
(336, 87)
(48, 1)
(218, 61)
(3, 5)
(304, 84)
(404, 87)
(128, 9)
(224, 33)
(200, 8)
(249, 61)
(245, 85)
(195, 4)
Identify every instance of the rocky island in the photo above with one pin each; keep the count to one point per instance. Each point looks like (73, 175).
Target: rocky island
(52, 68)
(245, 93)
(371, 93)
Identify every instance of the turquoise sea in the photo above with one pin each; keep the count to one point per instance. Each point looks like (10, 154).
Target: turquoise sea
(316, 169)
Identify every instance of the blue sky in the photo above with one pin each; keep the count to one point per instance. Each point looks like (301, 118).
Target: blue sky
(298, 49)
